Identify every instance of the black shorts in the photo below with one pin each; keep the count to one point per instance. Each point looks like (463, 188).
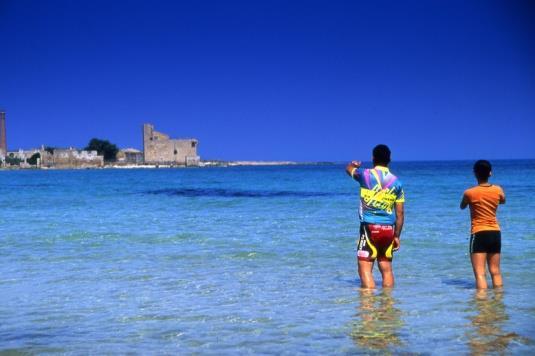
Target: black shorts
(486, 242)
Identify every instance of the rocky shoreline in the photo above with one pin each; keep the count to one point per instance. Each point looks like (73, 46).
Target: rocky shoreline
(202, 164)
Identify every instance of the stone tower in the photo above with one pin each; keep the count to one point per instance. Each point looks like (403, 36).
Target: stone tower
(159, 148)
(3, 142)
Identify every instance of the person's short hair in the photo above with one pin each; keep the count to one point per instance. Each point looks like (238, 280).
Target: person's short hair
(482, 169)
(381, 155)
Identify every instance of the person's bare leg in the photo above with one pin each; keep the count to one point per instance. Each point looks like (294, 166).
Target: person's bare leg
(478, 265)
(366, 275)
(493, 260)
(386, 271)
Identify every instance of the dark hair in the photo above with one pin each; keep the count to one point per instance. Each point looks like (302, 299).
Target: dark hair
(381, 155)
(482, 169)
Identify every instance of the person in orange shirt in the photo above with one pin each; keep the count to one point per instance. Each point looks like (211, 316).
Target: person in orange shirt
(485, 239)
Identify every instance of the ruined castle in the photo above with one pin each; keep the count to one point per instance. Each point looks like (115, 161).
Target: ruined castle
(159, 148)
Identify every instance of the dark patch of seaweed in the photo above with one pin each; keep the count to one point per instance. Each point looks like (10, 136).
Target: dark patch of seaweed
(233, 193)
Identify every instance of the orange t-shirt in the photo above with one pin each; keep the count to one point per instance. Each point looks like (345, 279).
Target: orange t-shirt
(483, 201)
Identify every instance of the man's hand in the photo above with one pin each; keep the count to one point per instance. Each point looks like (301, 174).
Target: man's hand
(397, 243)
(351, 166)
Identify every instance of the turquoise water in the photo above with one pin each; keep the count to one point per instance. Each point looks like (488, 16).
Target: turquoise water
(252, 260)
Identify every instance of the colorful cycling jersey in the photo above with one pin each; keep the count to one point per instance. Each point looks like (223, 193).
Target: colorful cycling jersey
(379, 191)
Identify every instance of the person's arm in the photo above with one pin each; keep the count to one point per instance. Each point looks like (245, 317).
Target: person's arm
(502, 197)
(352, 167)
(464, 202)
(400, 219)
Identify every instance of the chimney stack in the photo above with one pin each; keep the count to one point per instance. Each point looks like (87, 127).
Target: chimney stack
(3, 142)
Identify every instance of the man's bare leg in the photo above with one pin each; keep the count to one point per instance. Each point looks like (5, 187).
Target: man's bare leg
(478, 265)
(366, 275)
(493, 260)
(386, 271)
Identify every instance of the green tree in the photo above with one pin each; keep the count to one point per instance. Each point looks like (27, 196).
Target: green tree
(14, 161)
(33, 159)
(103, 147)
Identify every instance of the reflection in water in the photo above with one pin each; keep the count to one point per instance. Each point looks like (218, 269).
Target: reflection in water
(377, 321)
(487, 334)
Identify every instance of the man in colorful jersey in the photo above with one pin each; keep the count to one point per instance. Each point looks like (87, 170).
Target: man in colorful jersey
(381, 216)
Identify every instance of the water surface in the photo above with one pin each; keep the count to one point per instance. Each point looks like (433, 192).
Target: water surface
(252, 260)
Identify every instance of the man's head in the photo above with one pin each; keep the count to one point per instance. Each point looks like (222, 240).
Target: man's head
(482, 169)
(381, 155)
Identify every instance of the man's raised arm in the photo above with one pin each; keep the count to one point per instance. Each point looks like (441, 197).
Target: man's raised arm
(352, 167)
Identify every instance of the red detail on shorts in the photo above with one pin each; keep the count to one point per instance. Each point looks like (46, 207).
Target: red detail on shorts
(381, 235)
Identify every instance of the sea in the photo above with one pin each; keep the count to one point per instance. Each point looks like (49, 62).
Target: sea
(254, 260)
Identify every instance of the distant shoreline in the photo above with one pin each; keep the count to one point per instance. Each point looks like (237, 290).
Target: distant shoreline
(202, 164)
(225, 164)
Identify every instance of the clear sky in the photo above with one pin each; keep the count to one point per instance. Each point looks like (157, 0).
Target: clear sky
(274, 80)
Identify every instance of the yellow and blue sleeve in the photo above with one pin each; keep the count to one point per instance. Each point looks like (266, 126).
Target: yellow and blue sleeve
(401, 196)
(356, 174)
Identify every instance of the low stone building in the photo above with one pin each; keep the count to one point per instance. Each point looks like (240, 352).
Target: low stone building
(21, 158)
(70, 158)
(129, 156)
(159, 148)
(23, 154)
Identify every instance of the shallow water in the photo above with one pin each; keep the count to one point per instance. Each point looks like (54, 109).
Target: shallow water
(252, 260)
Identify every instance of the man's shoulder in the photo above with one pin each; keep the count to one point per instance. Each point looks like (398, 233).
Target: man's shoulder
(358, 172)
(497, 190)
(397, 181)
(471, 189)
(479, 191)
(364, 171)
(471, 192)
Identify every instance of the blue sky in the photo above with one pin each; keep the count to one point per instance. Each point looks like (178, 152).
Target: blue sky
(274, 80)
